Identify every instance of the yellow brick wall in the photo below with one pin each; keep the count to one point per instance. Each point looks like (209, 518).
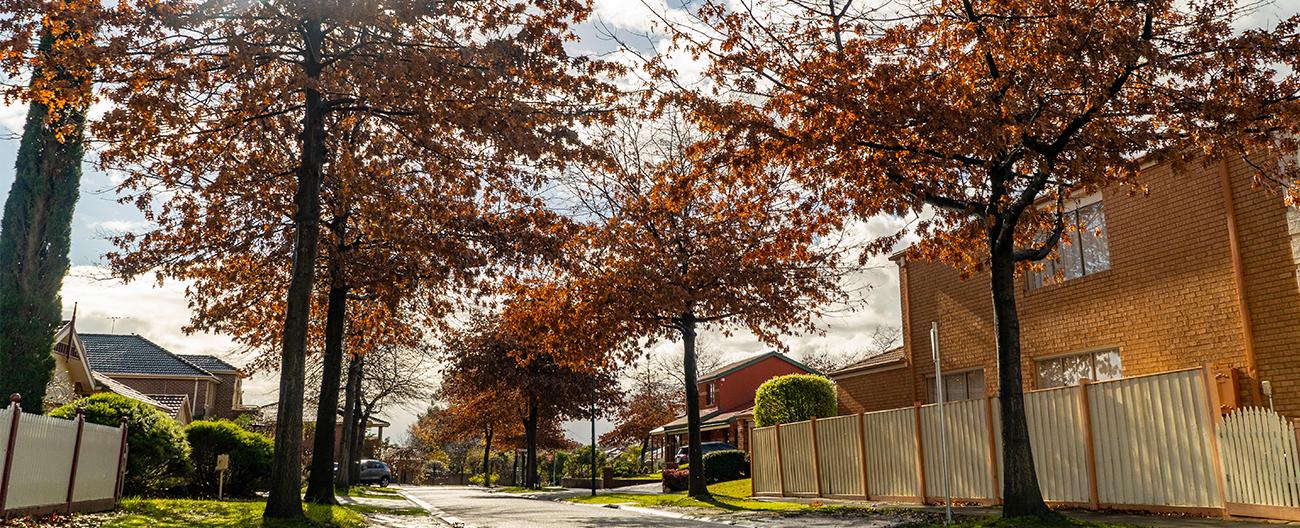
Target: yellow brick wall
(1168, 301)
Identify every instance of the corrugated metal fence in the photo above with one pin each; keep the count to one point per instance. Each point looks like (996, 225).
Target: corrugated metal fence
(54, 465)
(1145, 442)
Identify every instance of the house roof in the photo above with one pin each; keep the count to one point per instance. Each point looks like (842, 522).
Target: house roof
(133, 354)
(173, 402)
(709, 419)
(209, 363)
(889, 357)
(737, 365)
(118, 387)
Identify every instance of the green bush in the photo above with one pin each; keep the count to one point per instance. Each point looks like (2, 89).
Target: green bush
(722, 466)
(477, 479)
(158, 456)
(793, 398)
(578, 463)
(250, 458)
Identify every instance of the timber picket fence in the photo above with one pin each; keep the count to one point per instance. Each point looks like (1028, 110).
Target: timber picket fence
(52, 465)
(1153, 443)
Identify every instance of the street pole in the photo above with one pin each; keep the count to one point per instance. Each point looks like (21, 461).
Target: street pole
(943, 421)
(593, 438)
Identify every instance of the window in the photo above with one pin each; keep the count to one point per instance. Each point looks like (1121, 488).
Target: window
(958, 386)
(1087, 251)
(710, 394)
(1069, 370)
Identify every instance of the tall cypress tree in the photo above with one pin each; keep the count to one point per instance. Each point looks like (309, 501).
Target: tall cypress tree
(35, 236)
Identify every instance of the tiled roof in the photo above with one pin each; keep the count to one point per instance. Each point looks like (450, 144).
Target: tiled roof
(209, 363)
(117, 387)
(172, 402)
(737, 365)
(888, 357)
(132, 354)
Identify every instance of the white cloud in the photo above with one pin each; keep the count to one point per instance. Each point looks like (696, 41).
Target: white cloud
(120, 226)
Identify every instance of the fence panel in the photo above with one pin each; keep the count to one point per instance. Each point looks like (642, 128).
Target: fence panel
(891, 453)
(766, 472)
(98, 464)
(42, 462)
(1260, 458)
(1152, 439)
(840, 457)
(966, 433)
(797, 458)
(1056, 438)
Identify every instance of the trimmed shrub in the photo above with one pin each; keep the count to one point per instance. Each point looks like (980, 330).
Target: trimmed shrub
(793, 398)
(159, 456)
(676, 479)
(721, 466)
(250, 458)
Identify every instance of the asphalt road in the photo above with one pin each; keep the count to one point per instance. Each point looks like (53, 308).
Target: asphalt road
(478, 509)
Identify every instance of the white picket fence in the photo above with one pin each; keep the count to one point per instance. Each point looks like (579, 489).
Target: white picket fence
(1147, 442)
(1260, 466)
(56, 465)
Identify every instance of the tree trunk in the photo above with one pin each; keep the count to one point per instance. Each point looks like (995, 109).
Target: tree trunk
(284, 500)
(341, 480)
(320, 481)
(698, 486)
(35, 236)
(1021, 495)
(530, 446)
(358, 431)
(487, 456)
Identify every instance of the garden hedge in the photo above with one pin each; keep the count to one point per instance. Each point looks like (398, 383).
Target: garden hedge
(794, 398)
(250, 458)
(159, 455)
(723, 466)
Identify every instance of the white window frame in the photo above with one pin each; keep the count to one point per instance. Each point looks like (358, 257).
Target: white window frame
(1038, 361)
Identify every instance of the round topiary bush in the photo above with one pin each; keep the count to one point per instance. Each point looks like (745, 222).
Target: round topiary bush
(250, 458)
(158, 456)
(793, 398)
(722, 466)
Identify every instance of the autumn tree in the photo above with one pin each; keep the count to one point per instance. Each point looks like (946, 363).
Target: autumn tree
(217, 80)
(676, 241)
(484, 359)
(984, 118)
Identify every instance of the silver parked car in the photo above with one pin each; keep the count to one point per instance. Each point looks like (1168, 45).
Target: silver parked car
(375, 472)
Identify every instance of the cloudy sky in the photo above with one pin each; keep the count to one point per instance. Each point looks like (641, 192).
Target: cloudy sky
(159, 311)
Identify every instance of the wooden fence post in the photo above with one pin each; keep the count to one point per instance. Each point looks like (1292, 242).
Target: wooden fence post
(1216, 458)
(862, 450)
(76, 457)
(780, 467)
(993, 449)
(15, 415)
(752, 477)
(1089, 450)
(920, 453)
(816, 457)
(121, 463)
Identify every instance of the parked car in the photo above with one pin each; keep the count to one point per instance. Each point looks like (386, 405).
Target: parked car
(375, 472)
(684, 454)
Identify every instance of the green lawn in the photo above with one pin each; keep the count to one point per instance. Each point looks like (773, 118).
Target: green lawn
(371, 492)
(647, 477)
(185, 513)
(406, 510)
(730, 496)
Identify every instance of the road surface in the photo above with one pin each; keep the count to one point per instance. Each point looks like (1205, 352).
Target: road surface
(479, 509)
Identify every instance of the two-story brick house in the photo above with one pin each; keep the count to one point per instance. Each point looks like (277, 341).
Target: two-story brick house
(1202, 268)
(727, 401)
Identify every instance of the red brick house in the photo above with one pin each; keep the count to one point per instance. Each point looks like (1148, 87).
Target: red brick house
(727, 401)
(1202, 268)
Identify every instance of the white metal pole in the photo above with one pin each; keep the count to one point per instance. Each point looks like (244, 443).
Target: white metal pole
(943, 421)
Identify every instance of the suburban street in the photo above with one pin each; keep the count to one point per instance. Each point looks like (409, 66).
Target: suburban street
(479, 509)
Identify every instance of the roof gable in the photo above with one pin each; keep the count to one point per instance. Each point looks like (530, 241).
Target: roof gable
(133, 354)
(752, 360)
(889, 357)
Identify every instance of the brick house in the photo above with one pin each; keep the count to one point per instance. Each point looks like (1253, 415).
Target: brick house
(1203, 268)
(727, 401)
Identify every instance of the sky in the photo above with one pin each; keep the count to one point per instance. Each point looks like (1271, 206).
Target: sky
(159, 311)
